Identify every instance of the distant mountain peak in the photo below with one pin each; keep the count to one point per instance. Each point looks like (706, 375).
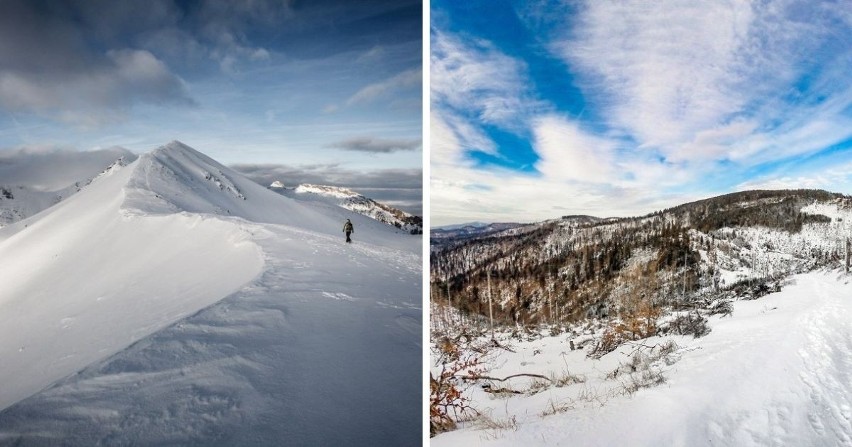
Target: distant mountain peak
(174, 145)
(333, 191)
(355, 202)
(277, 185)
(177, 148)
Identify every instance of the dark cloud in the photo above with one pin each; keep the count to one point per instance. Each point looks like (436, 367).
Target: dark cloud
(342, 26)
(376, 145)
(231, 33)
(54, 65)
(402, 188)
(87, 61)
(51, 168)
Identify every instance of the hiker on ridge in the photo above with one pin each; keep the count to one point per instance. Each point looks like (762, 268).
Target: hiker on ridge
(348, 229)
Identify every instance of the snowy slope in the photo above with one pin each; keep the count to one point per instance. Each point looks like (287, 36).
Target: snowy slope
(592, 310)
(125, 281)
(776, 372)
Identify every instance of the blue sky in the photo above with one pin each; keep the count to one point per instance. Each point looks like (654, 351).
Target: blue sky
(333, 84)
(548, 108)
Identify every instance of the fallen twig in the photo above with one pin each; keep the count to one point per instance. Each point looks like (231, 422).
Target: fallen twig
(538, 376)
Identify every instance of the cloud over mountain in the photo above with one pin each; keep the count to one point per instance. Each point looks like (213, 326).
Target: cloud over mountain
(375, 145)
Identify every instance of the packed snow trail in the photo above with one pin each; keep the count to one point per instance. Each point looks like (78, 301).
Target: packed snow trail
(776, 373)
(322, 347)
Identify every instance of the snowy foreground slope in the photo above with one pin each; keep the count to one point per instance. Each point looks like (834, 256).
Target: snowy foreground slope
(776, 372)
(175, 302)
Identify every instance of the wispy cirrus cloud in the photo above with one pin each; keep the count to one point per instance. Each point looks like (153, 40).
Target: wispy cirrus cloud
(663, 71)
(404, 80)
(461, 192)
(570, 154)
(833, 174)
(657, 103)
(472, 77)
(710, 81)
(468, 135)
(475, 89)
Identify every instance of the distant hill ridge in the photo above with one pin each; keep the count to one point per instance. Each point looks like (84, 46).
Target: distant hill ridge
(580, 266)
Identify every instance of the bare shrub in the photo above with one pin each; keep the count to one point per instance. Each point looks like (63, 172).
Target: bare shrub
(447, 404)
(691, 323)
(494, 428)
(641, 324)
(612, 338)
(643, 371)
(646, 378)
(666, 349)
(591, 395)
(566, 378)
(720, 307)
(557, 407)
(538, 385)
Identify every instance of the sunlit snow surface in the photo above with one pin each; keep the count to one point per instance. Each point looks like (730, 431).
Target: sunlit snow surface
(197, 308)
(777, 372)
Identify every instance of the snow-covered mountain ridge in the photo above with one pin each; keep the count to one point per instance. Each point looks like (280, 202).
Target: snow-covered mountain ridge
(90, 259)
(331, 191)
(186, 299)
(355, 202)
(452, 234)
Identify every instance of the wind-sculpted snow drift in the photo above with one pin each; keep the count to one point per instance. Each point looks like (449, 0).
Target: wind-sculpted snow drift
(199, 307)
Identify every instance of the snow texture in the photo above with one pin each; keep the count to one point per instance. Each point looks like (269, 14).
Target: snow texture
(777, 372)
(175, 302)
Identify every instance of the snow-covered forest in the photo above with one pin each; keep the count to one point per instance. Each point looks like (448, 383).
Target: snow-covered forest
(719, 322)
